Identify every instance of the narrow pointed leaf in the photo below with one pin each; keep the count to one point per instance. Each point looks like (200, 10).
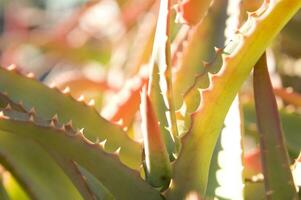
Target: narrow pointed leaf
(158, 169)
(160, 81)
(99, 190)
(278, 178)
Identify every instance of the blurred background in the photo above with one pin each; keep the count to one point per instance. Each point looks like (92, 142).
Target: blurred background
(94, 47)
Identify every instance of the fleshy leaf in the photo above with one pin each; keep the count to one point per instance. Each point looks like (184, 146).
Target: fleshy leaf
(160, 80)
(106, 167)
(158, 169)
(71, 170)
(50, 102)
(278, 178)
(243, 52)
(199, 47)
(31, 166)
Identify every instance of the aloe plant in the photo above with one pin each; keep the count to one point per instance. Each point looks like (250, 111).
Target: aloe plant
(60, 147)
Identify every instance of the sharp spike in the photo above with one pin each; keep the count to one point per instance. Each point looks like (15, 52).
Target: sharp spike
(31, 118)
(119, 122)
(68, 125)
(52, 123)
(30, 75)
(79, 133)
(66, 90)
(103, 143)
(81, 98)
(32, 111)
(81, 130)
(11, 67)
(2, 116)
(117, 151)
(8, 107)
(52, 85)
(91, 102)
(55, 118)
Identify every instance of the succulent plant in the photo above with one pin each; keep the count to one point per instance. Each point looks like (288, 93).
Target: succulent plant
(59, 147)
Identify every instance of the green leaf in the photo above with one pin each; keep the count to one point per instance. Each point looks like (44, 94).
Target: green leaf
(106, 167)
(160, 80)
(278, 178)
(49, 102)
(198, 145)
(69, 167)
(13, 189)
(157, 165)
(99, 190)
(199, 47)
(82, 180)
(37, 173)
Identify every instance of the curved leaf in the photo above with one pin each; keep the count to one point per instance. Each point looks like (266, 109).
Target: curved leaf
(158, 170)
(71, 144)
(278, 178)
(198, 145)
(49, 102)
(160, 81)
(31, 166)
(79, 180)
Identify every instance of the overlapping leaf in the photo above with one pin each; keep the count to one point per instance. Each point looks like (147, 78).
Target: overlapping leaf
(70, 143)
(50, 102)
(198, 145)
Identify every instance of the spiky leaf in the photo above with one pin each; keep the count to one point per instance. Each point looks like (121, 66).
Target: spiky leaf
(192, 167)
(49, 102)
(106, 167)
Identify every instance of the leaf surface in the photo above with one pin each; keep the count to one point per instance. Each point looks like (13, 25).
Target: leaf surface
(106, 167)
(192, 167)
(50, 102)
(278, 178)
